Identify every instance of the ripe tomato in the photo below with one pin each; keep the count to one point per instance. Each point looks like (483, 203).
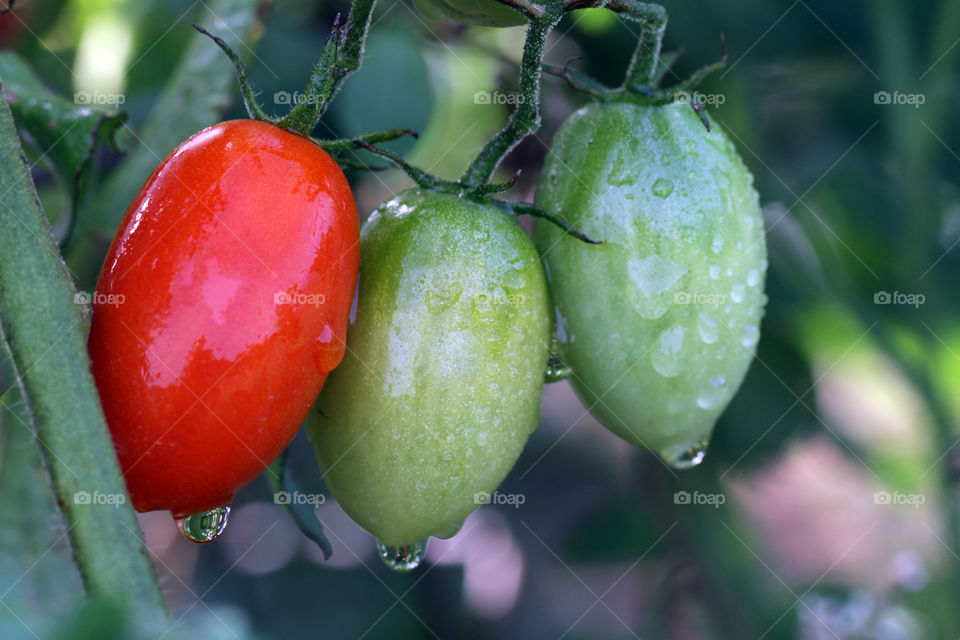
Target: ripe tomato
(220, 309)
(441, 383)
(660, 321)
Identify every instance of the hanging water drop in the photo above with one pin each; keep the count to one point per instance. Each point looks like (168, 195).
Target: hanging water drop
(689, 457)
(403, 558)
(205, 526)
(557, 369)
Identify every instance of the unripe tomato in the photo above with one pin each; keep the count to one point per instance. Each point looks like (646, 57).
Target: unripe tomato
(659, 322)
(489, 13)
(440, 386)
(220, 309)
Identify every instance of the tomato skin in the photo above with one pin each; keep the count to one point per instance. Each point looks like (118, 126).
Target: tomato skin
(659, 322)
(440, 386)
(204, 372)
(489, 13)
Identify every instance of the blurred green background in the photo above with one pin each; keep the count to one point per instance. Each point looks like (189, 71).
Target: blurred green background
(827, 505)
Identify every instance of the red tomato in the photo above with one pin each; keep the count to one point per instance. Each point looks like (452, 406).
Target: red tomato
(221, 307)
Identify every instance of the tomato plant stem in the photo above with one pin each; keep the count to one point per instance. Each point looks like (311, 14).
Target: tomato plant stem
(643, 65)
(45, 331)
(526, 118)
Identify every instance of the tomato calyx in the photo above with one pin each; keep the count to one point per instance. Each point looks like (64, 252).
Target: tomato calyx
(340, 57)
(481, 193)
(642, 84)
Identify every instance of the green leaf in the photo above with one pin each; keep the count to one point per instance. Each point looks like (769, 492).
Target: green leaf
(281, 482)
(67, 132)
(199, 90)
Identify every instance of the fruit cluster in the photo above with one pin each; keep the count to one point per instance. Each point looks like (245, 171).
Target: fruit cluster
(248, 282)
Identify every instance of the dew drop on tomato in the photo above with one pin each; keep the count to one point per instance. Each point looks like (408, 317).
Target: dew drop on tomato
(688, 457)
(205, 526)
(404, 558)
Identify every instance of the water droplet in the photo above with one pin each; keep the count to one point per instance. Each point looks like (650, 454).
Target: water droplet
(557, 369)
(403, 558)
(715, 271)
(753, 277)
(665, 359)
(736, 292)
(708, 328)
(707, 400)
(750, 335)
(662, 188)
(688, 456)
(205, 526)
(624, 170)
(441, 299)
(718, 381)
(653, 275)
(717, 243)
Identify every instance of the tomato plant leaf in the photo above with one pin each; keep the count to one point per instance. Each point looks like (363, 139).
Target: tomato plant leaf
(281, 482)
(66, 132)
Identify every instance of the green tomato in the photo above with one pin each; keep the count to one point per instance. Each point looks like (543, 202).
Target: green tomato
(440, 386)
(489, 13)
(658, 323)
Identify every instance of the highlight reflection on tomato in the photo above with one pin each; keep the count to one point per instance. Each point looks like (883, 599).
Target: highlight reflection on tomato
(220, 309)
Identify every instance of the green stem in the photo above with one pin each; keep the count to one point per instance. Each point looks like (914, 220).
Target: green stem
(354, 40)
(643, 65)
(45, 331)
(526, 118)
(421, 177)
(349, 144)
(310, 106)
(246, 89)
(577, 80)
(524, 208)
(342, 55)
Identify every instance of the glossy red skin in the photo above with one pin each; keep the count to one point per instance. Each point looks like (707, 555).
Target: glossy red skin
(203, 378)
